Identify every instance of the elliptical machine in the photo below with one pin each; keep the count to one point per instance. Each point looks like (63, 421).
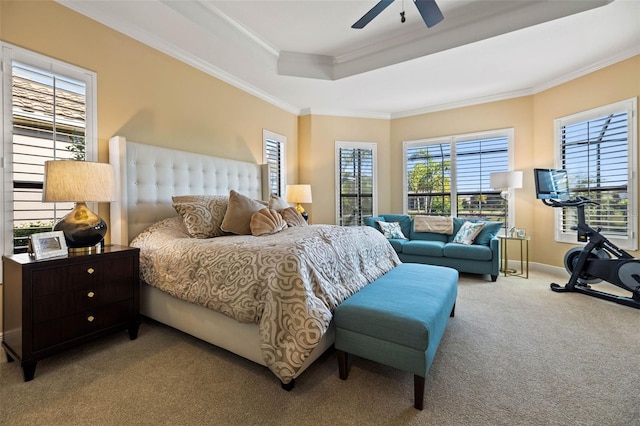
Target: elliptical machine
(593, 262)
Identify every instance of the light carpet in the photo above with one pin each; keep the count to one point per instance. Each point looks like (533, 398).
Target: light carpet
(516, 353)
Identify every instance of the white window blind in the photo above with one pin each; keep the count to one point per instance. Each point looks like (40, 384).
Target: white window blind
(438, 171)
(356, 177)
(48, 119)
(273, 145)
(596, 148)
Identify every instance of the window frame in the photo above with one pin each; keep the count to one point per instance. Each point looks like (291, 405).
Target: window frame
(8, 54)
(356, 145)
(453, 140)
(267, 136)
(631, 107)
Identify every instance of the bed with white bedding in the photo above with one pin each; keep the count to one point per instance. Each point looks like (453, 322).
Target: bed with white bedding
(268, 298)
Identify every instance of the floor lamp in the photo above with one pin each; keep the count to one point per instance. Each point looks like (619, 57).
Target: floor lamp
(505, 181)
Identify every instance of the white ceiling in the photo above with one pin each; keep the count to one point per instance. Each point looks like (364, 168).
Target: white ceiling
(304, 57)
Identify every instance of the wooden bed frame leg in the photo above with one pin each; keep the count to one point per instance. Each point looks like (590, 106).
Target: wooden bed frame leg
(343, 364)
(288, 386)
(453, 311)
(418, 392)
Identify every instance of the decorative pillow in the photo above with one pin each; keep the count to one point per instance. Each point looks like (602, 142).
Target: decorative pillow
(489, 230)
(266, 221)
(293, 217)
(278, 204)
(202, 214)
(391, 230)
(237, 219)
(468, 232)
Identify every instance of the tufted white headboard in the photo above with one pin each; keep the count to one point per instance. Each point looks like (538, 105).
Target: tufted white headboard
(148, 176)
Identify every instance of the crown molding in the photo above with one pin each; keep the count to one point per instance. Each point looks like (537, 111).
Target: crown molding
(119, 24)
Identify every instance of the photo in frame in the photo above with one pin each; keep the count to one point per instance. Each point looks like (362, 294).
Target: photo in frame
(48, 244)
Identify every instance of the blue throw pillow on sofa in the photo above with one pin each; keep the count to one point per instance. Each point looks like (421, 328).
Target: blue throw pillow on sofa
(373, 221)
(489, 231)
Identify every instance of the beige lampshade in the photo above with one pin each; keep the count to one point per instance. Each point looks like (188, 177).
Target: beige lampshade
(299, 194)
(78, 181)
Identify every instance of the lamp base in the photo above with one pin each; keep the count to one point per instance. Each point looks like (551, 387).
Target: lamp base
(82, 228)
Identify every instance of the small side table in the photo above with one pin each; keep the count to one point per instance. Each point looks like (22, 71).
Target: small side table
(524, 256)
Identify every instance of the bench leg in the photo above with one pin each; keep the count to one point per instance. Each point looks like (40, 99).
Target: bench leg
(418, 392)
(343, 364)
(453, 311)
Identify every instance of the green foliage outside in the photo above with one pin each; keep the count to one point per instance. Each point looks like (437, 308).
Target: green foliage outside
(21, 233)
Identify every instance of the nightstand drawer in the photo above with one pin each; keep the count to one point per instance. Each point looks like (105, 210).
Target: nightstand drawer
(81, 276)
(62, 304)
(81, 324)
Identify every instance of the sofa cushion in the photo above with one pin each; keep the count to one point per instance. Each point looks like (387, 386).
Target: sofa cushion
(373, 221)
(429, 236)
(488, 232)
(397, 244)
(424, 248)
(470, 252)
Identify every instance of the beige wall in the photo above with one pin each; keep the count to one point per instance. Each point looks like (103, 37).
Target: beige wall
(532, 118)
(612, 84)
(318, 135)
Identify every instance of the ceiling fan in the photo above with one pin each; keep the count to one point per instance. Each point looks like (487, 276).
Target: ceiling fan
(428, 9)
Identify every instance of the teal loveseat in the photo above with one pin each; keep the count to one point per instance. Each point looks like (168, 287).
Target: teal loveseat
(481, 257)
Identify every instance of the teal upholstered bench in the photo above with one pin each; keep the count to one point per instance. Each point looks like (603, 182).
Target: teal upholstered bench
(398, 320)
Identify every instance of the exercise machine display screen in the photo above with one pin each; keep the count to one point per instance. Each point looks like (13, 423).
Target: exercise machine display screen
(551, 184)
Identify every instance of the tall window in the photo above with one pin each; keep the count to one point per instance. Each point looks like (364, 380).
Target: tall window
(48, 115)
(598, 150)
(450, 176)
(356, 176)
(273, 154)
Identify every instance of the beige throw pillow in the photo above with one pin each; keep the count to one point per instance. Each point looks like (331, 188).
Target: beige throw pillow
(278, 204)
(266, 221)
(237, 219)
(293, 217)
(202, 214)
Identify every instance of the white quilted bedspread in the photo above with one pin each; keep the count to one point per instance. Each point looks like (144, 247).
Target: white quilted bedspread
(288, 283)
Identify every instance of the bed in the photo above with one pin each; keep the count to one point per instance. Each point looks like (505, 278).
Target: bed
(147, 177)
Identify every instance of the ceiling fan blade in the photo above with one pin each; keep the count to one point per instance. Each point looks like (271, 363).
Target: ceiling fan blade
(430, 12)
(375, 11)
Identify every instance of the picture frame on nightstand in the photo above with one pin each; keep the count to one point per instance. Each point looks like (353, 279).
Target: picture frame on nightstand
(48, 244)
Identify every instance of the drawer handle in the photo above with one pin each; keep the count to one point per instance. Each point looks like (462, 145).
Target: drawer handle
(90, 318)
(90, 294)
(91, 270)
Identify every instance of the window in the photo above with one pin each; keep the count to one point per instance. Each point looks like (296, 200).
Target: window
(450, 176)
(356, 178)
(273, 154)
(48, 114)
(598, 150)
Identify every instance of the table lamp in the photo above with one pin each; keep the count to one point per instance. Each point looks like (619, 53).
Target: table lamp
(504, 181)
(299, 194)
(79, 182)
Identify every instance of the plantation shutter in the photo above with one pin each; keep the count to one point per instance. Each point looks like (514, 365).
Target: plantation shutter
(356, 173)
(595, 154)
(273, 156)
(475, 161)
(48, 116)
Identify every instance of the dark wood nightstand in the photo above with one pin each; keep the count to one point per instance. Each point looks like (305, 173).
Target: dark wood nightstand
(54, 304)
